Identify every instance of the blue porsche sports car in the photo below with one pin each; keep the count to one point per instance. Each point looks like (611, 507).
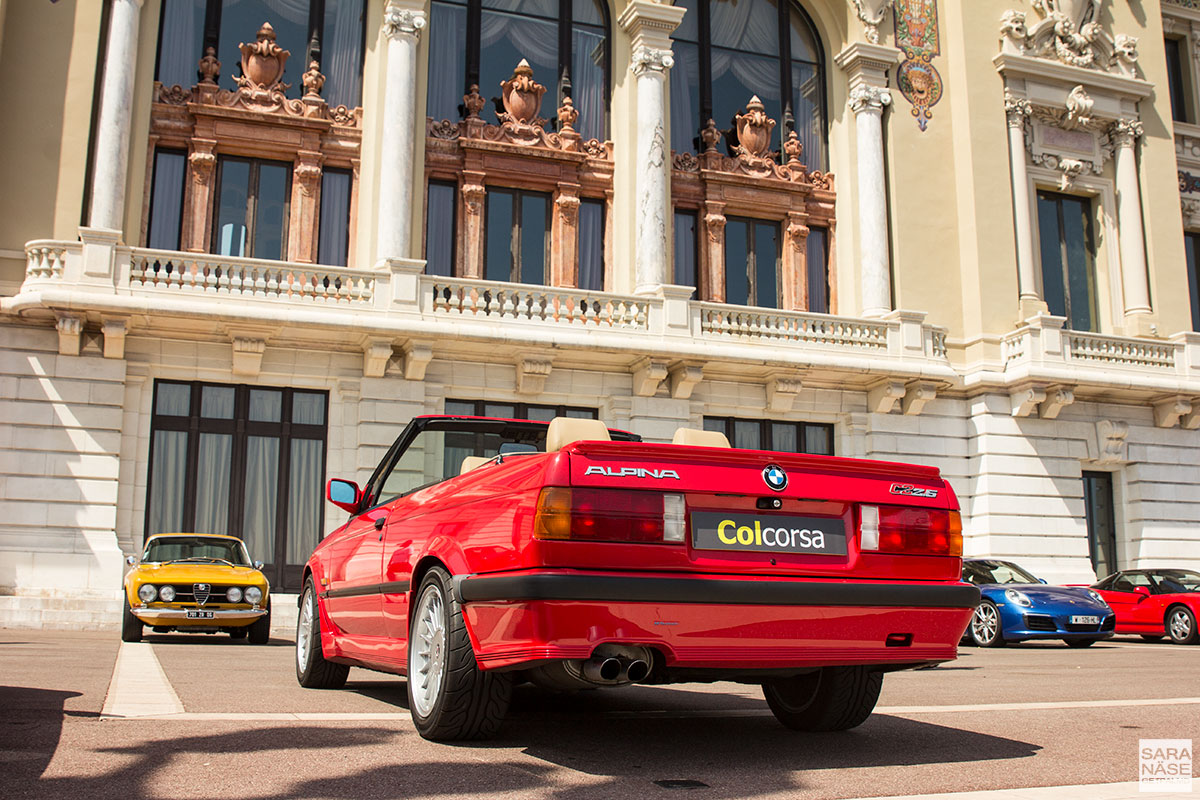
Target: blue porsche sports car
(1017, 606)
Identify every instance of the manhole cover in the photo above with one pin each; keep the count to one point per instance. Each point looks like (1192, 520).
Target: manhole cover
(676, 783)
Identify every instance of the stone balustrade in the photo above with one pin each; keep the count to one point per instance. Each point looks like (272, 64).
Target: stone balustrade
(396, 302)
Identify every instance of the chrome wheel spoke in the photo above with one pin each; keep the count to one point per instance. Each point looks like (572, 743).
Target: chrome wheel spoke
(427, 666)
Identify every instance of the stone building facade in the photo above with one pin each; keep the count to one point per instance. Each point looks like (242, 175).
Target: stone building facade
(245, 241)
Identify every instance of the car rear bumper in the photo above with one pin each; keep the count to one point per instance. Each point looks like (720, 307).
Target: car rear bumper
(177, 617)
(717, 623)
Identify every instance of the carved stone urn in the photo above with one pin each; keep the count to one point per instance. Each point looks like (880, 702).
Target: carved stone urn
(522, 94)
(263, 60)
(754, 129)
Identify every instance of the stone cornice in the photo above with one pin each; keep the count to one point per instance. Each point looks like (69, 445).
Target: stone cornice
(1017, 66)
(651, 24)
(867, 63)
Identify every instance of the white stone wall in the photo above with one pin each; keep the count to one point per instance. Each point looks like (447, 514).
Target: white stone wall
(60, 441)
(75, 441)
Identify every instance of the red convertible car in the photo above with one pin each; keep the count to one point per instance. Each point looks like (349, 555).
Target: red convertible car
(486, 552)
(1155, 603)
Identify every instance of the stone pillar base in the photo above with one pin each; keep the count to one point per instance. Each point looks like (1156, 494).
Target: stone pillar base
(1032, 307)
(1141, 323)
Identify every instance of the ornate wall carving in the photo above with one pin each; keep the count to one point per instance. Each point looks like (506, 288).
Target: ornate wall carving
(257, 120)
(519, 152)
(754, 182)
(1069, 31)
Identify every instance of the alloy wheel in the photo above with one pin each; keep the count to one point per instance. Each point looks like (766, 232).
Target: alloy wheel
(428, 667)
(985, 624)
(304, 630)
(1180, 625)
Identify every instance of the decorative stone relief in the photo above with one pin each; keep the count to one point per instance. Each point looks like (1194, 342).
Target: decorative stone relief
(781, 393)
(114, 331)
(313, 80)
(1168, 412)
(649, 58)
(1191, 212)
(521, 97)
(531, 374)
(1067, 139)
(70, 334)
(1069, 32)
(871, 14)
(247, 355)
(1110, 439)
(417, 356)
(883, 397)
(916, 27)
(864, 98)
(1025, 401)
(376, 354)
(648, 375)
(754, 130)
(1057, 398)
(402, 22)
(683, 378)
(209, 67)
(916, 396)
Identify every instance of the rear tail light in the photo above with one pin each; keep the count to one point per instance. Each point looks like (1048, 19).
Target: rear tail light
(912, 531)
(609, 515)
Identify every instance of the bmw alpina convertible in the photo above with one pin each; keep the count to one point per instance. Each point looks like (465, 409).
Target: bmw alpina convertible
(483, 553)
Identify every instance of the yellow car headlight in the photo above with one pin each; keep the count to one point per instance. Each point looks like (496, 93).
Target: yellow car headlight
(234, 594)
(147, 592)
(253, 595)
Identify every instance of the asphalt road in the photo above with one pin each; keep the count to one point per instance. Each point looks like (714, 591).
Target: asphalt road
(248, 731)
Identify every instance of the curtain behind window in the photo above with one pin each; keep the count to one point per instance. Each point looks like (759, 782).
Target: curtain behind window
(167, 482)
(591, 245)
(179, 48)
(333, 240)
(304, 499)
(166, 200)
(262, 493)
(341, 53)
(587, 80)
(214, 463)
(447, 60)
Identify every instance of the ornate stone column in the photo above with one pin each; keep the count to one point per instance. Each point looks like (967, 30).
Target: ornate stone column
(197, 197)
(793, 272)
(1134, 281)
(402, 24)
(649, 25)
(867, 103)
(473, 196)
(564, 249)
(1018, 111)
(116, 108)
(305, 211)
(714, 246)
(867, 67)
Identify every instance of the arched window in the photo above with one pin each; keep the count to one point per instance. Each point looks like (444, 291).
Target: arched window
(727, 51)
(565, 41)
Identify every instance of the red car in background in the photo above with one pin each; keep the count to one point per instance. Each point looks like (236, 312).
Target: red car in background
(1155, 603)
(487, 552)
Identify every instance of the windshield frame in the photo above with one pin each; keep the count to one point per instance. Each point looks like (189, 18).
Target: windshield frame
(1033, 579)
(238, 545)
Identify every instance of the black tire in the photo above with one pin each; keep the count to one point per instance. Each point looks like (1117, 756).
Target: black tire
(464, 702)
(1151, 638)
(131, 626)
(830, 699)
(1080, 642)
(1180, 623)
(312, 670)
(239, 633)
(986, 629)
(260, 629)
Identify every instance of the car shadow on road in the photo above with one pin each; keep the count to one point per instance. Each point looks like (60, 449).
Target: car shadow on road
(210, 639)
(30, 729)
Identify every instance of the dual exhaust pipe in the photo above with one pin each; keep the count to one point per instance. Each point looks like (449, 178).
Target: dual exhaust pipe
(615, 670)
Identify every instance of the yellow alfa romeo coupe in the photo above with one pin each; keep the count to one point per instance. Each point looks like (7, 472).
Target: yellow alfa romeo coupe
(196, 583)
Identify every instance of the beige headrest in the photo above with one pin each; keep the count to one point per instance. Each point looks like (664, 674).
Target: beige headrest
(471, 462)
(698, 438)
(565, 430)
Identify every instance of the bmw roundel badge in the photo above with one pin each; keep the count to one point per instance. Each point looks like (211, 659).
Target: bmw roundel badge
(775, 477)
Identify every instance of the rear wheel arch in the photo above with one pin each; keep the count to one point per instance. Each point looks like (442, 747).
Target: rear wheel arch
(419, 572)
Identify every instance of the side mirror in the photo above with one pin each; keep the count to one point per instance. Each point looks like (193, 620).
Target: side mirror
(343, 494)
(130, 560)
(1142, 590)
(258, 565)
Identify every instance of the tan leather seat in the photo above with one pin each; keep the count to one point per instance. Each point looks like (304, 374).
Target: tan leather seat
(565, 430)
(698, 438)
(471, 462)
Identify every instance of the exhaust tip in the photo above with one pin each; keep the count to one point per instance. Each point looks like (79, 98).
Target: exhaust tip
(602, 669)
(637, 671)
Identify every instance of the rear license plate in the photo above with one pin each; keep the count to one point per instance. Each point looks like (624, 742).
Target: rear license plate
(774, 533)
(1077, 620)
(199, 615)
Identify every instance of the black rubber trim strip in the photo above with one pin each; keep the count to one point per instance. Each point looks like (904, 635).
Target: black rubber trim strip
(614, 588)
(394, 587)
